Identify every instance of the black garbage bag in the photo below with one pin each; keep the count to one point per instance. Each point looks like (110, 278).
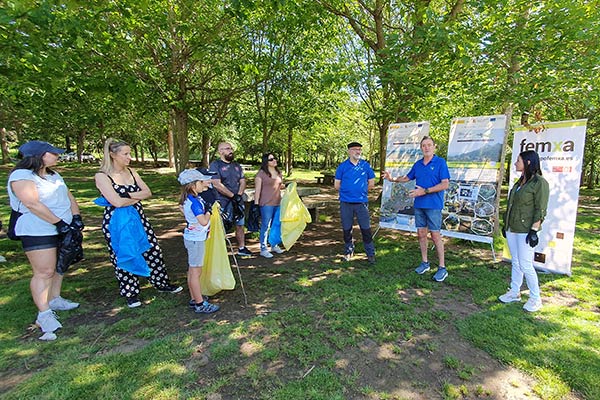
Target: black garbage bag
(231, 213)
(253, 221)
(70, 250)
(227, 216)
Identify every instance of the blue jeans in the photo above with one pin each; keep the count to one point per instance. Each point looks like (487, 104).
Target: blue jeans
(361, 211)
(266, 219)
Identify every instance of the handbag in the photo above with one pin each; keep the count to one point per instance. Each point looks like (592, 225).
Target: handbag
(12, 222)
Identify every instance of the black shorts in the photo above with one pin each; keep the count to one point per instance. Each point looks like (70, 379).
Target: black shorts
(31, 243)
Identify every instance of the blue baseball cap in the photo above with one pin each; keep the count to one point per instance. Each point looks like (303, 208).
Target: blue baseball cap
(38, 148)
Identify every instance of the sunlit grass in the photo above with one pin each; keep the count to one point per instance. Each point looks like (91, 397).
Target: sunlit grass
(315, 312)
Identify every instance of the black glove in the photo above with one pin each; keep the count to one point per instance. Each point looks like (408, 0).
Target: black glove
(237, 198)
(532, 238)
(504, 232)
(77, 222)
(62, 227)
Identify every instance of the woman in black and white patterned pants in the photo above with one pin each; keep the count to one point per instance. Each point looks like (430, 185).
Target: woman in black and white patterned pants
(122, 187)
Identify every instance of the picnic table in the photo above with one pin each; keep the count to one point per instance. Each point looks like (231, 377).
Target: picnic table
(326, 178)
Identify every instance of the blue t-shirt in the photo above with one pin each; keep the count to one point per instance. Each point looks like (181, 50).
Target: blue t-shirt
(354, 181)
(192, 207)
(427, 176)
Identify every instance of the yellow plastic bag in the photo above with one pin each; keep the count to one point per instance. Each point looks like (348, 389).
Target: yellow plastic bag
(294, 216)
(216, 273)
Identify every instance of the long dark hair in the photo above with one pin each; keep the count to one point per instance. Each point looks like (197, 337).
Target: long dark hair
(264, 165)
(188, 188)
(32, 163)
(531, 164)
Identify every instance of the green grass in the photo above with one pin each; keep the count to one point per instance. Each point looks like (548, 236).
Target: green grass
(318, 313)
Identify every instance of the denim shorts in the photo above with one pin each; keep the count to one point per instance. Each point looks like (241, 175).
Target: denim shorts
(195, 251)
(31, 243)
(428, 218)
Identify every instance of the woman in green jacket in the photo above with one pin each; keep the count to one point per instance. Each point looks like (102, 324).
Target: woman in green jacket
(527, 203)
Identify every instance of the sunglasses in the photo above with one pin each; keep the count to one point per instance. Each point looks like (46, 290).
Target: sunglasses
(272, 159)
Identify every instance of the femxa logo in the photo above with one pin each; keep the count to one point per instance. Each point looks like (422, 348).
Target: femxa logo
(548, 146)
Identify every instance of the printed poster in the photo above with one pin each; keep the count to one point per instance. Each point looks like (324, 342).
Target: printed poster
(560, 146)
(403, 150)
(474, 155)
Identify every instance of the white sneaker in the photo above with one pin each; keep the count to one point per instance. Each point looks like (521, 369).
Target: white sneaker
(61, 304)
(533, 305)
(510, 297)
(48, 336)
(48, 321)
(266, 254)
(276, 249)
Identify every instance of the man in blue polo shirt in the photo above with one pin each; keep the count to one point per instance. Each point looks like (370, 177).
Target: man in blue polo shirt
(353, 178)
(432, 178)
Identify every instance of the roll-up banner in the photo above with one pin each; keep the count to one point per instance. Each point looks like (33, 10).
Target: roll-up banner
(560, 147)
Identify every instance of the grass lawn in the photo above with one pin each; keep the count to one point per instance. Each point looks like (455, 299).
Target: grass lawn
(305, 318)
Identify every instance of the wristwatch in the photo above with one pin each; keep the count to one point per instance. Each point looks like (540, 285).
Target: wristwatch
(426, 190)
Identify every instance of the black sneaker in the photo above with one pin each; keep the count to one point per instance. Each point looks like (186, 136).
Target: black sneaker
(170, 289)
(133, 302)
(371, 259)
(244, 252)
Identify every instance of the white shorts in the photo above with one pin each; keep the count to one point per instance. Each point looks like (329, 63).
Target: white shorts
(195, 251)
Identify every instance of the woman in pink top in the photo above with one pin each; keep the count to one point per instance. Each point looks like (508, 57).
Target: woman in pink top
(268, 184)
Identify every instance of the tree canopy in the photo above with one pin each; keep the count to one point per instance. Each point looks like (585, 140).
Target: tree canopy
(295, 77)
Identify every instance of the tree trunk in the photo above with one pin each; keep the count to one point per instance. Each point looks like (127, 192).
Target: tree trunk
(80, 143)
(171, 139)
(4, 145)
(182, 149)
(205, 149)
(288, 161)
(383, 127)
(508, 111)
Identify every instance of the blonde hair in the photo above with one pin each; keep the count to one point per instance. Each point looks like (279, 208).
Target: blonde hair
(110, 146)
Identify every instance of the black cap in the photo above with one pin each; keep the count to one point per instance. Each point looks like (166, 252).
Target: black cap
(205, 171)
(354, 144)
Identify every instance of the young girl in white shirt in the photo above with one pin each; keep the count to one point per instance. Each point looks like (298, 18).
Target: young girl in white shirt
(197, 217)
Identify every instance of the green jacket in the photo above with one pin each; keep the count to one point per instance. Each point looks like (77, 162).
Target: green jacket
(526, 205)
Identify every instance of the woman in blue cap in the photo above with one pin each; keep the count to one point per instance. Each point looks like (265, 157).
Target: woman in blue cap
(48, 210)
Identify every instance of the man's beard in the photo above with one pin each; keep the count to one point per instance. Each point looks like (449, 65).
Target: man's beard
(229, 157)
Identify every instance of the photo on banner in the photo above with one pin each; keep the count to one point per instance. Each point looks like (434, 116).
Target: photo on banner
(560, 146)
(474, 160)
(403, 150)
